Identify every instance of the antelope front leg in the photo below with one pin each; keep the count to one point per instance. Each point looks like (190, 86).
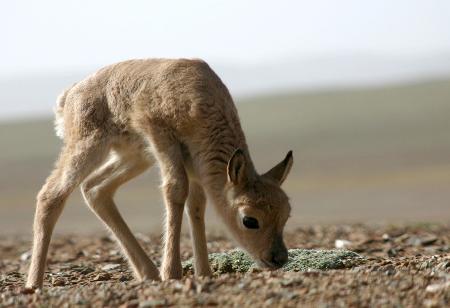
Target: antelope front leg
(195, 210)
(171, 266)
(175, 190)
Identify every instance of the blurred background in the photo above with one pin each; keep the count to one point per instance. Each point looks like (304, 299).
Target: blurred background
(359, 90)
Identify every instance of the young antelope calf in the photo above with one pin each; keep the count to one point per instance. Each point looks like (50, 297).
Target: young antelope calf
(117, 122)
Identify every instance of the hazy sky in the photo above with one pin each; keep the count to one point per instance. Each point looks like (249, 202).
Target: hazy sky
(55, 35)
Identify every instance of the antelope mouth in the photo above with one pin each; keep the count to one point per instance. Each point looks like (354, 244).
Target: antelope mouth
(267, 264)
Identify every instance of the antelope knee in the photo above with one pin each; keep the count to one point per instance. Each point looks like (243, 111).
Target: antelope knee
(176, 189)
(195, 211)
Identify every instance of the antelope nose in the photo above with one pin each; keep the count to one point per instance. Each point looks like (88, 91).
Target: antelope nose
(279, 258)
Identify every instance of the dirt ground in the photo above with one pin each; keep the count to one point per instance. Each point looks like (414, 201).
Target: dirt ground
(406, 266)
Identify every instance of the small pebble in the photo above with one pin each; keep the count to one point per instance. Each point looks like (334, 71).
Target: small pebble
(25, 256)
(110, 267)
(432, 288)
(342, 244)
(102, 277)
(58, 281)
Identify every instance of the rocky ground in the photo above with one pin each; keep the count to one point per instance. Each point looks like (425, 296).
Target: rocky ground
(404, 266)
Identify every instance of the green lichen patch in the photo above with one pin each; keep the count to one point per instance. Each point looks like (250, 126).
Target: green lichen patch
(237, 261)
(311, 259)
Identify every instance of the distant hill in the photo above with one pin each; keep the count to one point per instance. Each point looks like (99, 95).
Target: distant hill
(366, 155)
(35, 94)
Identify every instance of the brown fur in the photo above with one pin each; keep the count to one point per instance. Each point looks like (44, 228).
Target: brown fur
(118, 121)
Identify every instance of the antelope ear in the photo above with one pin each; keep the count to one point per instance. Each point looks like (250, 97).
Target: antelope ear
(281, 171)
(236, 168)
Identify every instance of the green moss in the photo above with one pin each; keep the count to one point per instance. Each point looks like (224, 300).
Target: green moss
(304, 259)
(299, 260)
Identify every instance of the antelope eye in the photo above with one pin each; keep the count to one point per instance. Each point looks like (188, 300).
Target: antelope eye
(250, 222)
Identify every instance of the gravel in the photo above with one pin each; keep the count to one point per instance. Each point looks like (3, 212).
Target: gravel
(383, 266)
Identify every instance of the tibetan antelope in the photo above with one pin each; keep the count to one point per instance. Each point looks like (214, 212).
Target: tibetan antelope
(117, 122)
